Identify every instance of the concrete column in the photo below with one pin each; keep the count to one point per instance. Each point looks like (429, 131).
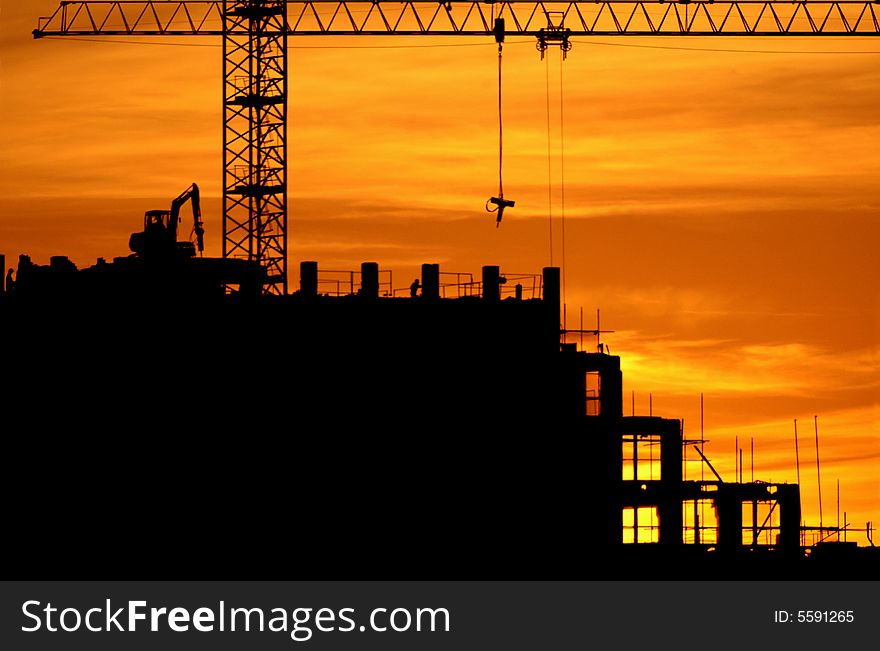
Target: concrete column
(491, 283)
(729, 503)
(611, 389)
(789, 497)
(308, 278)
(430, 281)
(669, 511)
(370, 279)
(670, 453)
(551, 296)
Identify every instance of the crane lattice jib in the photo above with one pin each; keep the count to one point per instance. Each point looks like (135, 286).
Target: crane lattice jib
(377, 18)
(255, 34)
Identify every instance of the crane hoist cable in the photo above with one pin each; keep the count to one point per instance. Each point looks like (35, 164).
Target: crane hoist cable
(499, 202)
(562, 163)
(549, 160)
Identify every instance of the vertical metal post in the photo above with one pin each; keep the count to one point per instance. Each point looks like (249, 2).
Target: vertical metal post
(736, 459)
(684, 461)
(582, 327)
(818, 474)
(838, 511)
(702, 438)
(755, 522)
(636, 524)
(636, 457)
(797, 461)
(255, 136)
(740, 465)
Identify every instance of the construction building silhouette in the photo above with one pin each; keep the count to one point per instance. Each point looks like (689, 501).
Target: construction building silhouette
(192, 415)
(451, 418)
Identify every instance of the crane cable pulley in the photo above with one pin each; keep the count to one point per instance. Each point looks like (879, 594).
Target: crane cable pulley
(499, 202)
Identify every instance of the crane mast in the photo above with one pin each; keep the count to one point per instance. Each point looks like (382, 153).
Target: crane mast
(255, 64)
(255, 136)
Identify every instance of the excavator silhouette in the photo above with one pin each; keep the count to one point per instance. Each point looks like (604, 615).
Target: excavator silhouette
(159, 237)
(160, 267)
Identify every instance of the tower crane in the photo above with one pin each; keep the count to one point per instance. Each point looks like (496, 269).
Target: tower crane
(255, 63)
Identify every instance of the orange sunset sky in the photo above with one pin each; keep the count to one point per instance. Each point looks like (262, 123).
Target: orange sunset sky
(722, 208)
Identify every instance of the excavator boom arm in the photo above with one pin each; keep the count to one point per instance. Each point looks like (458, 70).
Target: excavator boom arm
(191, 194)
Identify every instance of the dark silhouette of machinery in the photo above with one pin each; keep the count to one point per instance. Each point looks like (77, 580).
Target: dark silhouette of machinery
(160, 268)
(159, 237)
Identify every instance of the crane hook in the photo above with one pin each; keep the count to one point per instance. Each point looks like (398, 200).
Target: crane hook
(500, 204)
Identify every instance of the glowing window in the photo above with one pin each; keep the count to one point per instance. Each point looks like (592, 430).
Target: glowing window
(700, 522)
(640, 525)
(760, 523)
(641, 457)
(594, 390)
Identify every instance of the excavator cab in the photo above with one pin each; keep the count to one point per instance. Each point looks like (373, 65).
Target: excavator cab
(157, 219)
(159, 237)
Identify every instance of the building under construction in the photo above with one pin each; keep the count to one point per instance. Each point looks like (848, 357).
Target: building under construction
(163, 420)
(445, 426)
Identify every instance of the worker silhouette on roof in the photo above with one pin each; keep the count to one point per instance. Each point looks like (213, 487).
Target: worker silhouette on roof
(10, 281)
(414, 288)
